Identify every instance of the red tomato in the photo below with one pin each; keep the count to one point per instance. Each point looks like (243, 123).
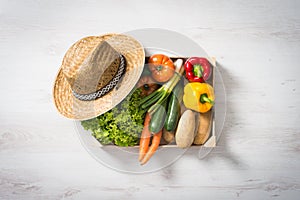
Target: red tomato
(161, 67)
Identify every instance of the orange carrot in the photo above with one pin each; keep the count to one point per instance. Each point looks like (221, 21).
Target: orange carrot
(145, 138)
(155, 143)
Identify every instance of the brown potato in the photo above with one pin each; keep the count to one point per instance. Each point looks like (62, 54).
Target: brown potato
(168, 136)
(204, 128)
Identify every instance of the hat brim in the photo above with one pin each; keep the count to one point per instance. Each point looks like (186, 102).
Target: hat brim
(71, 107)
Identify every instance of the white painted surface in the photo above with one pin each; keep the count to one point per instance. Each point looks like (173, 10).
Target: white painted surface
(257, 44)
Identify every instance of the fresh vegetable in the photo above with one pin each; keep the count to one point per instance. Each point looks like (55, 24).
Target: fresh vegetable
(145, 138)
(197, 69)
(147, 85)
(185, 131)
(155, 143)
(156, 98)
(204, 128)
(121, 125)
(158, 118)
(161, 67)
(198, 96)
(168, 135)
(173, 113)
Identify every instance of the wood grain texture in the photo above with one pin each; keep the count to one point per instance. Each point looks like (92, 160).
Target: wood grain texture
(257, 44)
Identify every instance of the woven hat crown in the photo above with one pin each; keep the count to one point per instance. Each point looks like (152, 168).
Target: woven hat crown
(98, 67)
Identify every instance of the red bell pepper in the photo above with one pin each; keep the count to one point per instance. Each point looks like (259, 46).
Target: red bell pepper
(197, 69)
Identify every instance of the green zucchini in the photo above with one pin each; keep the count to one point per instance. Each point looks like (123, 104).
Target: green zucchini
(173, 113)
(158, 118)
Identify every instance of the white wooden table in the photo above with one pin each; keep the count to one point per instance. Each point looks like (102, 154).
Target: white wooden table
(257, 45)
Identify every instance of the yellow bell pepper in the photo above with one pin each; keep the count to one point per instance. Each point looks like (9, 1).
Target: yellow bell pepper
(198, 96)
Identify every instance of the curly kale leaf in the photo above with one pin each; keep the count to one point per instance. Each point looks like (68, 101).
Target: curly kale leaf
(121, 125)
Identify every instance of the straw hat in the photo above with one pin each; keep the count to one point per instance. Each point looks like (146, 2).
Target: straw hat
(96, 74)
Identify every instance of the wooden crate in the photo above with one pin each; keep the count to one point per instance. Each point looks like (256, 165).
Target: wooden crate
(211, 141)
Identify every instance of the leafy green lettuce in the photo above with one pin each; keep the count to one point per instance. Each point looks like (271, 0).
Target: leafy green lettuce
(121, 125)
